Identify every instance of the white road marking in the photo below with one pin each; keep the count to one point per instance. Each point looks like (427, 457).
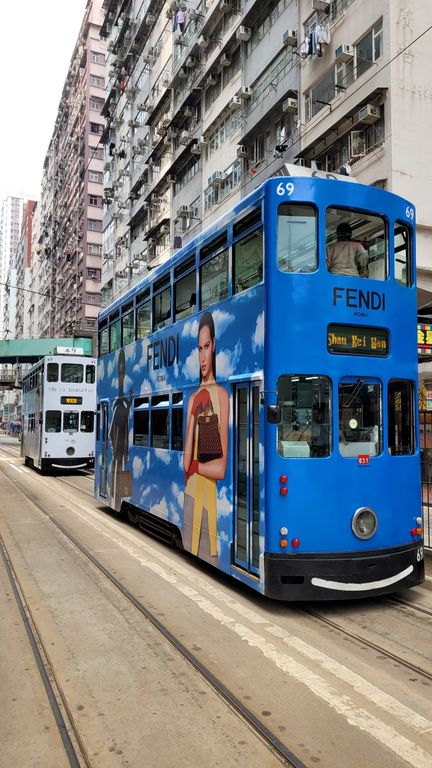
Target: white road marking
(342, 704)
(18, 469)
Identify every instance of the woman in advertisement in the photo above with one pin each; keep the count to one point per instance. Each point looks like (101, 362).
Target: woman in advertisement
(205, 448)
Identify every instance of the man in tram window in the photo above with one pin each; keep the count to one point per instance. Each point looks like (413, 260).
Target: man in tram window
(347, 256)
(121, 480)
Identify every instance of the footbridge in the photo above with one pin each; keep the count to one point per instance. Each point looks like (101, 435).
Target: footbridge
(17, 352)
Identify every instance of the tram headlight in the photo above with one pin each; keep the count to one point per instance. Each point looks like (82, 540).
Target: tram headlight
(70, 451)
(364, 523)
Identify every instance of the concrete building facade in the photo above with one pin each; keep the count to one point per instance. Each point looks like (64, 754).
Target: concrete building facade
(70, 241)
(207, 99)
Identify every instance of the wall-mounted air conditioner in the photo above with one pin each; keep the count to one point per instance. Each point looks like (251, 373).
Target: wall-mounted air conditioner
(203, 41)
(243, 33)
(344, 53)
(321, 5)
(369, 114)
(164, 229)
(235, 103)
(196, 149)
(217, 177)
(149, 19)
(225, 5)
(184, 212)
(211, 80)
(171, 178)
(243, 151)
(289, 38)
(185, 137)
(183, 73)
(191, 62)
(172, 133)
(141, 107)
(202, 141)
(189, 111)
(166, 79)
(224, 61)
(245, 92)
(165, 121)
(289, 105)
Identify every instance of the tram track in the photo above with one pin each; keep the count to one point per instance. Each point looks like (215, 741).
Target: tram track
(261, 730)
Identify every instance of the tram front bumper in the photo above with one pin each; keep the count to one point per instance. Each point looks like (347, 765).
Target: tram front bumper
(343, 576)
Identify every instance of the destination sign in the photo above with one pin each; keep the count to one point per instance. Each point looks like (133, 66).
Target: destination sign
(71, 400)
(357, 340)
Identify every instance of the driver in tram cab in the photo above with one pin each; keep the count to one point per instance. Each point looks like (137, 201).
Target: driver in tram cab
(347, 256)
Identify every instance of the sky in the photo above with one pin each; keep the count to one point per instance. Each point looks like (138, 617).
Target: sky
(37, 45)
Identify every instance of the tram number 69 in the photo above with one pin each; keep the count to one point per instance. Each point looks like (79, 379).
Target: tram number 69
(409, 212)
(420, 554)
(285, 188)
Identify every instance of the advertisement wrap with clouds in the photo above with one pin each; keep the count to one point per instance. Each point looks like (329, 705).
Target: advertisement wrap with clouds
(191, 488)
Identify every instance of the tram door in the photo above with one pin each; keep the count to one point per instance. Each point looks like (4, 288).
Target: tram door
(247, 476)
(104, 449)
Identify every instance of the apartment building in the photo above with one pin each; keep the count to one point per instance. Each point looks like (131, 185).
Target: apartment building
(69, 248)
(22, 264)
(10, 226)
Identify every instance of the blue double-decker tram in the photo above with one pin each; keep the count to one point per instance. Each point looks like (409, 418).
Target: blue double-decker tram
(257, 394)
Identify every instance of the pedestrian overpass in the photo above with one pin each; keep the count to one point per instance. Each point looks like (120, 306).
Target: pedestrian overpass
(16, 352)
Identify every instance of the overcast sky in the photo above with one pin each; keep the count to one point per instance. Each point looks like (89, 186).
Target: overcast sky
(37, 44)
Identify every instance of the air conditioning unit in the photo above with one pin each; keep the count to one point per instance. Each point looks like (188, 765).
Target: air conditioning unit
(243, 151)
(235, 104)
(245, 92)
(203, 41)
(151, 241)
(189, 111)
(211, 80)
(321, 5)
(344, 53)
(155, 198)
(142, 143)
(185, 137)
(224, 61)
(369, 114)
(141, 107)
(218, 177)
(289, 38)
(165, 121)
(149, 19)
(202, 141)
(196, 149)
(184, 212)
(243, 33)
(166, 79)
(164, 230)
(171, 178)
(172, 133)
(149, 107)
(289, 105)
(183, 73)
(225, 5)
(111, 46)
(191, 62)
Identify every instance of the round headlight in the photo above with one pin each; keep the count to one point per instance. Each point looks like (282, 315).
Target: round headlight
(70, 451)
(364, 523)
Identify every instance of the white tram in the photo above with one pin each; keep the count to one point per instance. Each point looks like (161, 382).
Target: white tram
(58, 410)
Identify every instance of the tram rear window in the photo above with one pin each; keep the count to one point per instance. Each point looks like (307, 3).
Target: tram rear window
(297, 238)
(72, 373)
(305, 427)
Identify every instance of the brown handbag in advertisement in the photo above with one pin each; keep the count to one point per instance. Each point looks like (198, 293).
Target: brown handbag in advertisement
(209, 442)
(124, 483)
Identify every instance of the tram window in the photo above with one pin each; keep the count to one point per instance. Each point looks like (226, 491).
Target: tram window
(161, 309)
(214, 279)
(52, 372)
(90, 374)
(143, 320)
(247, 222)
(185, 296)
(177, 422)
(401, 439)
(360, 420)
(297, 238)
(53, 421)
(72, 373)
(305, 427)
(402, 254)
(114, 335)
(141, 421)
(87, 421)
(356, 244)
(103, 342)
(248, 261)
(128, 328)
(160, 422)
(70, 421)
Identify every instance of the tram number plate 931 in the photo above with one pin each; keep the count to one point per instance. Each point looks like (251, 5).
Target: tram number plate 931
(363, 459)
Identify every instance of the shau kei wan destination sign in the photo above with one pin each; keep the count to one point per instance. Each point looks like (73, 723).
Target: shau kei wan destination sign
(357, 340)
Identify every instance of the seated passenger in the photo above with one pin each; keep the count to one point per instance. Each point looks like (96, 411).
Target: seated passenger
(347, 256)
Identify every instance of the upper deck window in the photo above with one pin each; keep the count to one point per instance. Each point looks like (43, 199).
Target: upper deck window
(143, 320)
(162, 308)
(297, 238)
(185, 289)
(103, 342)
(72, 373)
(356, 244)
(114, 335)
(402, 254)
(248, 261)
(52, 372)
